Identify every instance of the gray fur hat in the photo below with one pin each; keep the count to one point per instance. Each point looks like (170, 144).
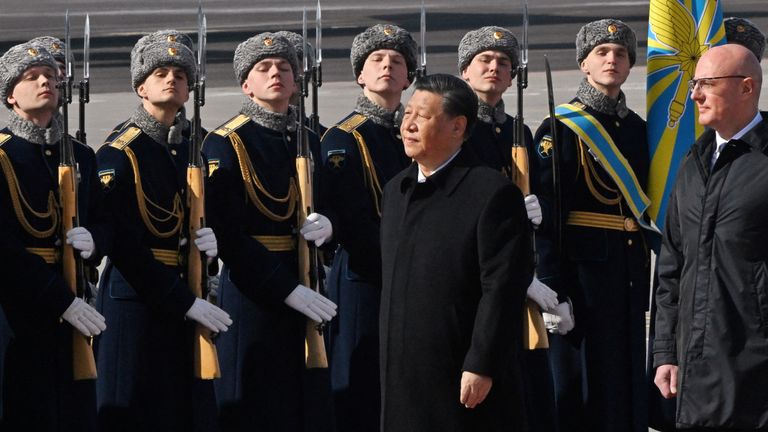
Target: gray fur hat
(488, 38)
(166, 36)
(17, 60)
(744, 32)
(605, 31)
(259, 47)
(53, 45)
(148, 55)
(383, 36)
(296, 40)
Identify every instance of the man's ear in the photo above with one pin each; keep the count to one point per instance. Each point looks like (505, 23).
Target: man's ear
(459, 126)
(583, 66)
(141, 91)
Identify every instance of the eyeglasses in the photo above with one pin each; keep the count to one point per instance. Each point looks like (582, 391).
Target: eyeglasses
(704, 82)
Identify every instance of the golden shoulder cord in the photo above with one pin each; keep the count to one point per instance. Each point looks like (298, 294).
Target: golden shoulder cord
(589, 173)
(250, 179)
(18, 199)
(142, 200)
(369, 171)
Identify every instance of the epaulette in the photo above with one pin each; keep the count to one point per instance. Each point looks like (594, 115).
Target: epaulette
(352, 123)
(232, 125)
(3, 138)
(121, 141)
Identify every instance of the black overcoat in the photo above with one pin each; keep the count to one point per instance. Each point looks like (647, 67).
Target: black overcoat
(456, 262)
(712, 300)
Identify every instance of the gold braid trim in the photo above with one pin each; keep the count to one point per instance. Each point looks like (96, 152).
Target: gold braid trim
(369, 171)
(142, 200)
(17, 197)
(250, 179)
(589, 173)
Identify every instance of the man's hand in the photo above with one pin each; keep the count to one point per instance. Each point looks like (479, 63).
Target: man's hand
(209, 315)
(474, 389)
(533, 208)
(543, 295)
(317, 228)
(84, 318)
(81, 240)
(560, 320)
(312, 304)
(206, 242)
(666, 380)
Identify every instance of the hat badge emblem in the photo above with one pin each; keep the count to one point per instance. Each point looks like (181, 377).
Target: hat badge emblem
(268, 42)
(497, 35)
(171, 38)
(740, 28)
(56, 46)
(173, 51)
(32, 52)
(388, 31)
(612, 28)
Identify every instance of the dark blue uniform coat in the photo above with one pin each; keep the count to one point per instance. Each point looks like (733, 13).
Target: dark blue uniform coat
(351, 198)
(606, 275)
(39, 393)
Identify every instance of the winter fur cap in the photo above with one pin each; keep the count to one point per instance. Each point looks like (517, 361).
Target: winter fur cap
(149, 55)
(17, 60)
(263, 46)
(383, 36)
(166, 36)
(605, 31)
(296, 40)
(53, 45)
(488, 38)
(743, 32)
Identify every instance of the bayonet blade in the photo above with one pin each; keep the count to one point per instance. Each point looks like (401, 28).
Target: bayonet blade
(67, 63)
(304, 62)
(524, 47)
(423, 44)
(318, 34)
(87, 48)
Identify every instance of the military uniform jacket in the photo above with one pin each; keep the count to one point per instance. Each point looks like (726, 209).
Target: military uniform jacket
(144, 185)
(492, 143)
(587, 187)
(712, 300)
(359, 157)
(251, 201)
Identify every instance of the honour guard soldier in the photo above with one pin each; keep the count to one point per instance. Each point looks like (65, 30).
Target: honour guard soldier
(40, 393)
(252, 199)
(146, 365)
(601, 267)
(744, 32)
(359, 156)
(488, 62)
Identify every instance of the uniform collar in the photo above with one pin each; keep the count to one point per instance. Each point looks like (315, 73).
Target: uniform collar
(491, 114)
(600, 102)
(157, 131)
(378, 114)
(278, 122)
(33, 133)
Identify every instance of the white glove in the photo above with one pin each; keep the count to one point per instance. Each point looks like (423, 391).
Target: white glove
(533, 209)
(317, 228)
(311, 303)
(561, 320)
(84, 318)
(81, 240)
(543, 295)
(206, 242)
(210, 316)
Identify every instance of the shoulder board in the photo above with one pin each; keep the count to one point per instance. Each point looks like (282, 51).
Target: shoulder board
(121, 141)
(232, 125)
(3, 138)
(352, 123)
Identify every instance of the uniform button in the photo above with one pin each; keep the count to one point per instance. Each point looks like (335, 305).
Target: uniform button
(48, 152)
(173, 152)
(629, 242)
(288, 138)
(617, 124)
(631, 284)
(498, 129)
(399, 136)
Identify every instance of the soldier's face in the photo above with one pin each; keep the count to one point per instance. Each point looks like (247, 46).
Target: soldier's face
(384, 72)
(607, 67)
(270, 83)
(489, 72)
(430, 136)
(166, 85)
(35, 91)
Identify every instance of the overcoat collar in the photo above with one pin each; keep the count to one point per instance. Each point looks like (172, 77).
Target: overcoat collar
(751, 141)
(448, 178)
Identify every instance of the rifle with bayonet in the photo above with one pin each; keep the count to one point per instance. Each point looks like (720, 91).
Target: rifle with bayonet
(534, 332)
(85, 86)
(83, 363)
(557, 204)
(206, 359)
(421, 70)
(308, 259)
(317, 69)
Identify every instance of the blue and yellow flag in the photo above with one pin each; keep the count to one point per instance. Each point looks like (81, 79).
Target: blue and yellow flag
(679, 32)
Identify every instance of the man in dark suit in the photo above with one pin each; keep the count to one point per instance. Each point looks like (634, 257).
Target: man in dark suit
(456, 262)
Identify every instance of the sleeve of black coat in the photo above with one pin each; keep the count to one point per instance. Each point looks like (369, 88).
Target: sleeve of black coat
(667, 298)
(506, 268)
